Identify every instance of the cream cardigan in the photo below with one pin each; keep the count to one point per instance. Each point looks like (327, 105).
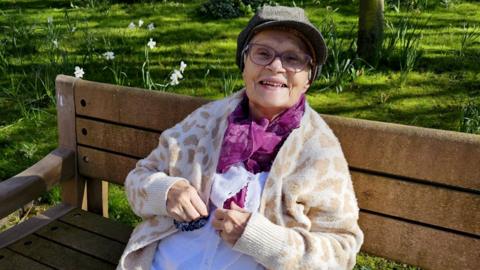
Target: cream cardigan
(308, 211)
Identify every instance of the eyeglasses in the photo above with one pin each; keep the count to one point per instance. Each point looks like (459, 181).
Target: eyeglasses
(262, 55)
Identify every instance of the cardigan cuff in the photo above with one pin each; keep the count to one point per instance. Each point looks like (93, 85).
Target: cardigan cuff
(262, 240)
(157, 192)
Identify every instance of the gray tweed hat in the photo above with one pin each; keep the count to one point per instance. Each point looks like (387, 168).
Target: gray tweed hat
(285, 17)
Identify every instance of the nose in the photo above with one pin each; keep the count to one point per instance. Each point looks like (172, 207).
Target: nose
(276, 64)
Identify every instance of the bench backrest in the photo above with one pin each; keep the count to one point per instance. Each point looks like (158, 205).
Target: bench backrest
(418, 189)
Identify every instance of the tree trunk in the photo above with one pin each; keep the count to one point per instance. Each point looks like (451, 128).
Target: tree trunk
(370, 30)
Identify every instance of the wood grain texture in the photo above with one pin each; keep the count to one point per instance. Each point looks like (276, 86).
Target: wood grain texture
(87, 242)
(97, 197)
(72, 189)
(98, 164)
(116, 138)
(133, 106)
(418, 245)
(56, 255)
(33, 224)
(437, 156)
(10, 260)
(34, 181)
(428, 204)
(97, 224)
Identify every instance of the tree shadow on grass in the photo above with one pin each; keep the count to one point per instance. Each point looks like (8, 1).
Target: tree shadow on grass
(34, 4)
(451, 62)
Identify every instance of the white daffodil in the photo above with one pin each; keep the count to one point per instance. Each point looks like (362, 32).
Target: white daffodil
(55, 43)
(182, 66)
(174, 79)
(150, 26)
(109, 55)
(131, 25)
(140, 23)
(73, 29)
(178, 73)
(50, 20)
(79, 72)
(151, 43)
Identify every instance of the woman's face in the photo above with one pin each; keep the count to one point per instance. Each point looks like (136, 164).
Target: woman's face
(271, 89)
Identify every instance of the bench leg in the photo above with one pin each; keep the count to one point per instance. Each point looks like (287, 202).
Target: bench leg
(97, 197)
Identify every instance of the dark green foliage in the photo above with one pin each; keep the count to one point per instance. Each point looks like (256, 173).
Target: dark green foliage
(226, 9)
(470, 117)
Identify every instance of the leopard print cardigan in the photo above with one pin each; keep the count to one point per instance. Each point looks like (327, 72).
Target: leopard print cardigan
(308, 213)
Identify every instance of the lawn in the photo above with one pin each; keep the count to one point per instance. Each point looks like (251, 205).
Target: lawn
(39, 39)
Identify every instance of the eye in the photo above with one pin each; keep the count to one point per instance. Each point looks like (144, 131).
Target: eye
(292, 58)
(263, 53)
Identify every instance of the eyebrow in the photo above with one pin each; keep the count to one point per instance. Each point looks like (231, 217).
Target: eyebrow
(297, 49)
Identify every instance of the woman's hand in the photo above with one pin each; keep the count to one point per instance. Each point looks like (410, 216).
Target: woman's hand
(231, 223)
(184, 203)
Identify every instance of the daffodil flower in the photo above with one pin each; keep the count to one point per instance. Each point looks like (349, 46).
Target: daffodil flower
(55, 43)
(174, 79)
(178, 74)
(151, 43)
(79, 72)
(131, 25)
(140, 23)
(182, 66)
(150, 26)
(109, 55)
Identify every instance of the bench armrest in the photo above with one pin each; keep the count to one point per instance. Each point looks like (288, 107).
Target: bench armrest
(28, 185)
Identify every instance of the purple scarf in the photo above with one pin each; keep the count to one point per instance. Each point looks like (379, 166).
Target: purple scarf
(255, 142)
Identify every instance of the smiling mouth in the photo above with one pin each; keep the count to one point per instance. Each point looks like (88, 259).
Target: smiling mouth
(273, 84)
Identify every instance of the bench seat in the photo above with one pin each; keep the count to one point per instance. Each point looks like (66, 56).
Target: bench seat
(64, 237)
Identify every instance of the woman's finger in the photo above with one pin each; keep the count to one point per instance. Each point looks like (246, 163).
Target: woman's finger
(217, 224)
(190, 212)
(199, 205)
(176, 213)
(219, 214)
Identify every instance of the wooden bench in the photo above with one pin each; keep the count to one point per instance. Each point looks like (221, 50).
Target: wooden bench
(418, 188)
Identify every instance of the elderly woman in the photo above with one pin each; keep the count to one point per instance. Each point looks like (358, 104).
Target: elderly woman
(254, 181)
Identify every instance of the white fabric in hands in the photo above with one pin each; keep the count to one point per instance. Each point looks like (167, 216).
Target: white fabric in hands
(203, 248)
(231, 182)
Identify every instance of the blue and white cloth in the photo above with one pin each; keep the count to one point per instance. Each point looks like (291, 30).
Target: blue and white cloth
(204, 248)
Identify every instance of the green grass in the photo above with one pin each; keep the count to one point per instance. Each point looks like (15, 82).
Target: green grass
(440, 91)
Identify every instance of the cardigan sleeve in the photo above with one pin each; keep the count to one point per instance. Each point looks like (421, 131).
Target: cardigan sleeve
(317, 227)
(148, 184)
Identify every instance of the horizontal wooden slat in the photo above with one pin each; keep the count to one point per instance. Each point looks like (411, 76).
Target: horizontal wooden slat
(446, 157)
(418, 245)
(132, 106)
(98, 224)
(121, 139)
(32, 224)
(10, 260)
(87, 242)
(424, 203)
(103, 165)
(56, 255)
